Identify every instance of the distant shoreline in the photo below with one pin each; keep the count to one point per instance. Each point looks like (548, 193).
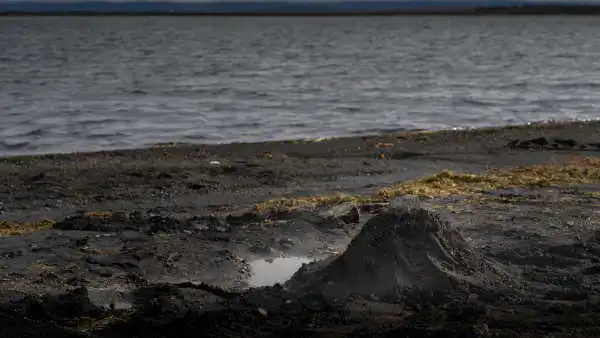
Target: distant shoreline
(317, 10)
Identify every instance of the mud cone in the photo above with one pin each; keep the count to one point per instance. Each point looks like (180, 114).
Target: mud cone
(402, 249)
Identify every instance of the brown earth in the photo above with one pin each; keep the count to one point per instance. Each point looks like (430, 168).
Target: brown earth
(161, 242)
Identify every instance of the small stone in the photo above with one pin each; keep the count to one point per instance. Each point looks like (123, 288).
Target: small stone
(244, 217)
(286, 243)
(100, 271)
(82, 241)
(262, 311)
(407, 202)
(352, 217)
(223, 252)
(164, 175)
(261, 249)
(346, 212)
(11, 254)
(567, 143)
(591, 270)
(374, 207)
(481, 330)
(473, 297)
(540, 141)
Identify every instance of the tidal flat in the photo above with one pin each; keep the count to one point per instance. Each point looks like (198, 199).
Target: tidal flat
(483, 232)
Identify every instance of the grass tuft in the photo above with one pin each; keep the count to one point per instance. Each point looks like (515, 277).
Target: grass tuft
(449, 183)
(14, 228)
(99, 214)
(309, 202)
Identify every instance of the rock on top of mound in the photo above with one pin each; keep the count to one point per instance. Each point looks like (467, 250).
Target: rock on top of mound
(402, 249)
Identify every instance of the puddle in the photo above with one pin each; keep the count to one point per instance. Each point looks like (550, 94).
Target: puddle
(268, 272)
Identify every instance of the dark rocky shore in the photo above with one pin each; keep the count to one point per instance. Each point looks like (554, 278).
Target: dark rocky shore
(489, 232)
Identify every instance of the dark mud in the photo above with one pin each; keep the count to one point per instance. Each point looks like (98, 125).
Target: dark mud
(161, 242)
(402, 251)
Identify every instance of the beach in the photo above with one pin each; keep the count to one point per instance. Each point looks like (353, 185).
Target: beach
(165, 241)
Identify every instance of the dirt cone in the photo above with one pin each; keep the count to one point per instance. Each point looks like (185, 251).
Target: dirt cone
(402, 249)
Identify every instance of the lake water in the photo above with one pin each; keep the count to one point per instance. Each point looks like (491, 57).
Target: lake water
(77, 84)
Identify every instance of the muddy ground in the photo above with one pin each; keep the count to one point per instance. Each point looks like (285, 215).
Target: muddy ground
(163, 242)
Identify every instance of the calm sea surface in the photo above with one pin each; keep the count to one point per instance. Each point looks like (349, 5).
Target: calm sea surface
(73, 84)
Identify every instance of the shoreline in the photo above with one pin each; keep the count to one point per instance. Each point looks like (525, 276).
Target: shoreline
(420, 132)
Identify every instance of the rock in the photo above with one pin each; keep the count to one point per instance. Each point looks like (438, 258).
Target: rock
(407, 203)
(348, 213)
(566, 143)
(286, 243)
(591, 270)
(536, 142)
(197, 186)
(164, 175)
(100, 271)
(223, 252)
(11, 254)
(47, 277)
(374, 208)
(542, 142)
(74, 304)
(262, 311)
(352, 217)
(156, 224)
(208, 223)
(481, 330)
(244, 218)
(81, 242)
(38, 177)
(160, 300)
(261, 249)
(402, 249)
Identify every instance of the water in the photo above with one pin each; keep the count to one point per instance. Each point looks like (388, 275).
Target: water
(273, 271)
(77, 83)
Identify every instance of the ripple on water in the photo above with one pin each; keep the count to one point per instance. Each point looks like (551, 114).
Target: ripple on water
(274, 78)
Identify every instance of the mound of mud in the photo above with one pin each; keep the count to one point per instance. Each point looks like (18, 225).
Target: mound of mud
(403, 250)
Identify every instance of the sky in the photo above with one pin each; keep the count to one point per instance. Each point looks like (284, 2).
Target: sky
(461, 1)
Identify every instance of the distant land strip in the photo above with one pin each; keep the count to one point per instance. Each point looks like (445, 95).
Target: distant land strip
(280, 9)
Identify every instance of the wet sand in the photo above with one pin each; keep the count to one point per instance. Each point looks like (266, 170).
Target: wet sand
(165, 241)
